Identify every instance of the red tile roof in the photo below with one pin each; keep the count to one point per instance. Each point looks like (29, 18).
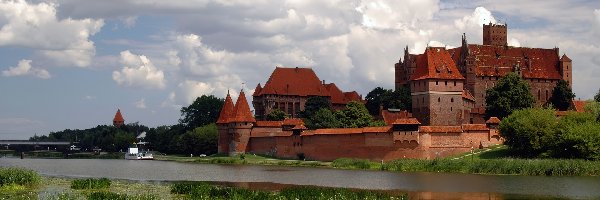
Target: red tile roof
(337, 96)
(347, 131)
(242, 110)
(293, 81)
(474, 127)
(389, 117)
(226, 111)
(299, 127)
(440, 129)
(564, 58)
(435, 63)
(467, 95)
(579, 106)
(353, 96)
(406, 121)
(118, 117)
(292, 121)
(500, 60)
(493, 120)
(269, 123)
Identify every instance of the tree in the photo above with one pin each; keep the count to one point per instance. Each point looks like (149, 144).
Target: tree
(204, 110)
(378, 97)
(276, 115)
(530, 132)
(314, 104)
(201, 140)
(510, 94)
(562, 96)
(597, 96)
(323, 118)
(355, 115)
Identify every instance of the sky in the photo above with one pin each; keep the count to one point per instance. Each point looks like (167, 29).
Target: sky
(70, 64)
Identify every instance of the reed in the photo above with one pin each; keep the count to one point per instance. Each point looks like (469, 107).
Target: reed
(351, 163)
(90, 183)
(18, 176)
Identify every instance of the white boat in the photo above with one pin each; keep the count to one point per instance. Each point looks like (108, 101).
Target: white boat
(133, 153)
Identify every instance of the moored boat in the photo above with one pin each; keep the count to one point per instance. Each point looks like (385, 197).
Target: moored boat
(133, 153)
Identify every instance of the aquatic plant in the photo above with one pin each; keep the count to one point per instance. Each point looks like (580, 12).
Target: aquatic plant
(90, 183)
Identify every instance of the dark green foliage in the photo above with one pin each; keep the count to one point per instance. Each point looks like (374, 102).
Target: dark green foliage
(105, 195)
(90, 183)
(323, 118)
(510, 94)
(562, 96)
(351, 163)
(204, 110)
(314, 104)
(398, 99)
(276, 115)
(201, 140)
(355, 115)
(529, 131)
(597, 96)
(199, 190)
(18, 176)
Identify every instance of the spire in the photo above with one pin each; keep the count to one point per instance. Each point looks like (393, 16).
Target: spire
(242, 110)
(118, 120)
(226, 111)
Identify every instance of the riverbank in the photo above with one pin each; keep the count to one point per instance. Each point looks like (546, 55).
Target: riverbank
(37, 187)
(493, 161)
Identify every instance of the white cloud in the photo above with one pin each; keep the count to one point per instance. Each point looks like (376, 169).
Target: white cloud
(24, 68)
(396, 14)
(138, 71)
(89, 97)
(36, 26)
(514, 42)
(141, 104)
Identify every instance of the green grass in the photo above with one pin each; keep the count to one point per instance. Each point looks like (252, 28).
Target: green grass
(18, 176)
(350, 163)
(200, 190)
(90, 183)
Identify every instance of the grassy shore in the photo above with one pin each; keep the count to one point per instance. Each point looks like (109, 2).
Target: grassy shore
(496, 160)
(26, 184)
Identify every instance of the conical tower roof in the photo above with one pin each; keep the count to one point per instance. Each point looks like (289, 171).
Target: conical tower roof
(227, 111)
(242, 110)
(118, 116)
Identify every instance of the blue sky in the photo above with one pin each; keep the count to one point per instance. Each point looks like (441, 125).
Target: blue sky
(70, 64)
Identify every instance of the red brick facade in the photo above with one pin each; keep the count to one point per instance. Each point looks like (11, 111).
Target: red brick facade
(401, 138)
(480, 66)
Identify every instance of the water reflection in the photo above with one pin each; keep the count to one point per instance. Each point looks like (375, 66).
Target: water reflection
(418, 185)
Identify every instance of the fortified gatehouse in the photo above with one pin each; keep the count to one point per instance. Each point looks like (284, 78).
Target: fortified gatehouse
(402, 137)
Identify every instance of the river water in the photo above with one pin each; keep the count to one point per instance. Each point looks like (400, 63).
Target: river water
(418, 185)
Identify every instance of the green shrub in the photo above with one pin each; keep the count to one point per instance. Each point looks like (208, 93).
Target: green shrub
(90, 183)
(18, 176)
(351, 163)
(106, 195)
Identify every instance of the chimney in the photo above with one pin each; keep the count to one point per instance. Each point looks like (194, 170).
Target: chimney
(323, 81)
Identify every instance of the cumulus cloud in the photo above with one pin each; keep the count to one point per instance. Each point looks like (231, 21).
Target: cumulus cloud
(514, 42)
(36, 26)
(141, 104)
(24, 68)
(396, 14)
(138, 71)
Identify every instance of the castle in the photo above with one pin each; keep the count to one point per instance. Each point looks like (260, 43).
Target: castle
(448, 86)
(448, 103)
(288, 89)
(118, 119)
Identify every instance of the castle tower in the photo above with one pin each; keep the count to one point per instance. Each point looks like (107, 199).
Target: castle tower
(565, 69)
(240, 126)
(223, 126)
(495, 34)
(118, 120)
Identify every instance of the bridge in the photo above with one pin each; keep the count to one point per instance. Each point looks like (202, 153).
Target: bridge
(27, 142)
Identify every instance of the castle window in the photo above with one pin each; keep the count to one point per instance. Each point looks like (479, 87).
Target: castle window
(450, 108)
(452, 100)
(436, 82)
(454, 83)
(446, 82)
(439, 100)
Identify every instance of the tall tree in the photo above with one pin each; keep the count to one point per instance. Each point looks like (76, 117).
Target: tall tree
(276, 115)
(562, 96)
(375, 100)
(204, 110)
(323, 118)
(510, 94)
(355, 115)
(379, 97)
(313, 104)
(597, 97)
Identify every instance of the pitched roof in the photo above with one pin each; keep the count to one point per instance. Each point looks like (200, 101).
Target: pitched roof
(242, 110)
(352, 96)
(435, 63)
(269, 123)
(293, 81)
(493, 120)
(411, 120)
(467, 95)
(226, 111)
(565, 58)
(292, 121)
(474, 127)
(337, 96)
(440, 129)
(299, 127)
(579, 105)
(118, 117)
(500, 60)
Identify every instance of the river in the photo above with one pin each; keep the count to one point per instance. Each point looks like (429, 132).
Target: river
(419, 185)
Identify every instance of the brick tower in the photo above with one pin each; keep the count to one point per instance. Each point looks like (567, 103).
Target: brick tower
(494, 34)
(240, 126)
(223, 125)
(118, 120)
(566, 68)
